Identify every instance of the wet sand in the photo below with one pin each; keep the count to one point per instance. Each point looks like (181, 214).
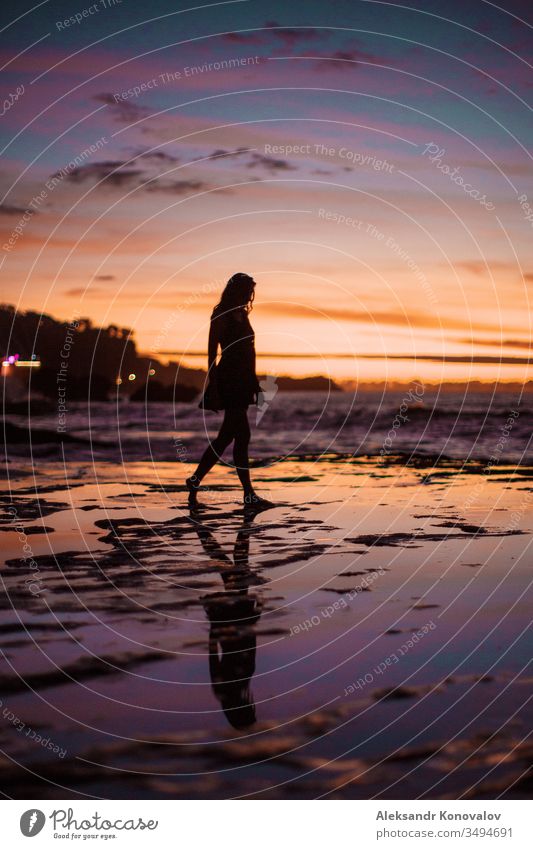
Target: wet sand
(364, 639)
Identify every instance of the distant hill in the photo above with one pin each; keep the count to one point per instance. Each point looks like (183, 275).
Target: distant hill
(77, 358)
(317, 383)
(446, 387)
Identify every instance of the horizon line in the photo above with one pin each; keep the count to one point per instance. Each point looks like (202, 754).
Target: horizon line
(440, 358)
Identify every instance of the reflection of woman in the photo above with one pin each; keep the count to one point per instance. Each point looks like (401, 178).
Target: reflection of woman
(232, 385)
(232, 656)
(232, 616)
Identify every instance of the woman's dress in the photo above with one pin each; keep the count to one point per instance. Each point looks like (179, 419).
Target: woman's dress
(233, 382)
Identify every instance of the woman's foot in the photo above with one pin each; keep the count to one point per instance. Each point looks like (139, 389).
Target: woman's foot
(253, 501)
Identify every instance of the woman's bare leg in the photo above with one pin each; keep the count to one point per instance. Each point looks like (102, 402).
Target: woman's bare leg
(241, 429)
(235, 427)
(242, 464)
(212, 454)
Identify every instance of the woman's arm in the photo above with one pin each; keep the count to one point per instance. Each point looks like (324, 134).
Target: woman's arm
(212, 348)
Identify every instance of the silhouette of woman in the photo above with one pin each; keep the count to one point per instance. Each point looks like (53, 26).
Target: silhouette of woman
(232, 385)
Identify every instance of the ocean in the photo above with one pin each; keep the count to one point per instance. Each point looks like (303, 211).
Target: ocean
(489, 427)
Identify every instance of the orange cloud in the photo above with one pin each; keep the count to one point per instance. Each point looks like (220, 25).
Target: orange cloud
(398, 319)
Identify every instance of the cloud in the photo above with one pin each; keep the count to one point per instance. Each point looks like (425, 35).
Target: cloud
(288, 36)
(159, 156)
(11, 209)
(110, 173)
(120, 175)
(221, 153)
(342, 59)
(525, 344)
(123, 111)
(244, 37)
(281, 40)
(258, 160)
(124, 175)
(105, 277)
(176, 187)
(447, 358)
(294, 35)
(84, 290)
(255, 160)
(481, 267)
(373, 317)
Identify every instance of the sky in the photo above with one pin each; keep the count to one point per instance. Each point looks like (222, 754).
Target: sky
(366, 162)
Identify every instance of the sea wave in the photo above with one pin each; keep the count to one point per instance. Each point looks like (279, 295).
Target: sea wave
(477, 426)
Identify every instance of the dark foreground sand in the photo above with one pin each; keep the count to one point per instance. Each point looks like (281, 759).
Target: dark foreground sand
(366, 638)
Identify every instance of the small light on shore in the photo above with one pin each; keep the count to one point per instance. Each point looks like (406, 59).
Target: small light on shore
(132, 377)
(11, 360)
(118, 381)
(151, 371)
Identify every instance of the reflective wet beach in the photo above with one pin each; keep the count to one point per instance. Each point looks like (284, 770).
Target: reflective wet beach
(365, 638)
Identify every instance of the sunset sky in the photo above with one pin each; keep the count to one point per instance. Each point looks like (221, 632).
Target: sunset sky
(317, 146)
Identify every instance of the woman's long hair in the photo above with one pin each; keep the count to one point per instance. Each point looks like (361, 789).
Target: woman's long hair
(238, 293)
